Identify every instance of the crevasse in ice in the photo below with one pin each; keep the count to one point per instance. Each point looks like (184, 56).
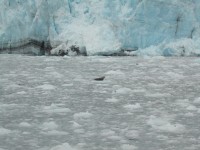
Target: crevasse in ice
(151, 27)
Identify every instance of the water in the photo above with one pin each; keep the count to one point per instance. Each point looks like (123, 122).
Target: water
(143, 103)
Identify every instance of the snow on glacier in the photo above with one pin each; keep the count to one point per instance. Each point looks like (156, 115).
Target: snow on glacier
(155, 27)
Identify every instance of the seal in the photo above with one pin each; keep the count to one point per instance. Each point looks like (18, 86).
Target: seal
(100, 78)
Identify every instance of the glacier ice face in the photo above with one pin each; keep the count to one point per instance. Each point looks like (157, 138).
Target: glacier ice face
(152, 27)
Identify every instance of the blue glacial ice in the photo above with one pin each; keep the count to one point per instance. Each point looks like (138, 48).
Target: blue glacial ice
(145, 27)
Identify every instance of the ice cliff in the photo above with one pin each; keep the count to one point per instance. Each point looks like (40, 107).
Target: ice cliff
(143, 27)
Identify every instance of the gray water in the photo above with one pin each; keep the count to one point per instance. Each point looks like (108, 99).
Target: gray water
(143, 103)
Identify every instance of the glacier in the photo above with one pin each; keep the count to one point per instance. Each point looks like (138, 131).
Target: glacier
(104, 27)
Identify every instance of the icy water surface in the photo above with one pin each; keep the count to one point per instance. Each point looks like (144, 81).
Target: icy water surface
(53, 103)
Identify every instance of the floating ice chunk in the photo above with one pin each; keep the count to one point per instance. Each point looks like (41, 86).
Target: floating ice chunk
(50, 69)
(116, 87)
(189, 114)
(197, 100)
(158, 58)
(123, 91)
(118, 74)
(139, 90)
(175, 75)
(79, 131)
(55, 74)
(49, 59)
(157, 94)
(191, 108)
(128, 147)
(58, 110)
(75, 124)
(115, 72)
(132, 134)
(49, 125)
(114, 138)
(82, 115)
(53, 108)
(26, 133)
(102, 59)
(183, 102)
(21, 93)
(132, 106)
(4, 131)
(8, 105)
(107, 133)
(47, 87)
(163, 125)
(112, 100)
(55, 132)
(67, 85)
(13, 86)
(153, 85)
(64, 146)
(25, 124)
(81, 145)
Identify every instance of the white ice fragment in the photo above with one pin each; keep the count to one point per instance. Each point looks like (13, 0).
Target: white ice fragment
(132, 106)
(75, 124)
(197, 100)
(123, 91)
(81, 145)
(154, 85)
(79, 131)
(115, 72)
(26, 133)
(49, 125)
(55, 74)
(107, 132)
(159, 95)
(183, 103)
(13, 86)
(111, 100)
(67, 85)
(189, 114)
(55, 108)
(139, 90)
(162, 137)
(128, 147)
(25, 124)
(21, 93)
(64, 146)
(82, 115)
(114, 138)
(163, 125)
(8, 105)
(132, 134)
(47, 87)
(4, 131)
(174, 75)
(55, 133)
(50, 69)
(186, 104)
(191, 108)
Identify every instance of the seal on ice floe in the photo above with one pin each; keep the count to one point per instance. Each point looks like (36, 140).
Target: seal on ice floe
(100, 78)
